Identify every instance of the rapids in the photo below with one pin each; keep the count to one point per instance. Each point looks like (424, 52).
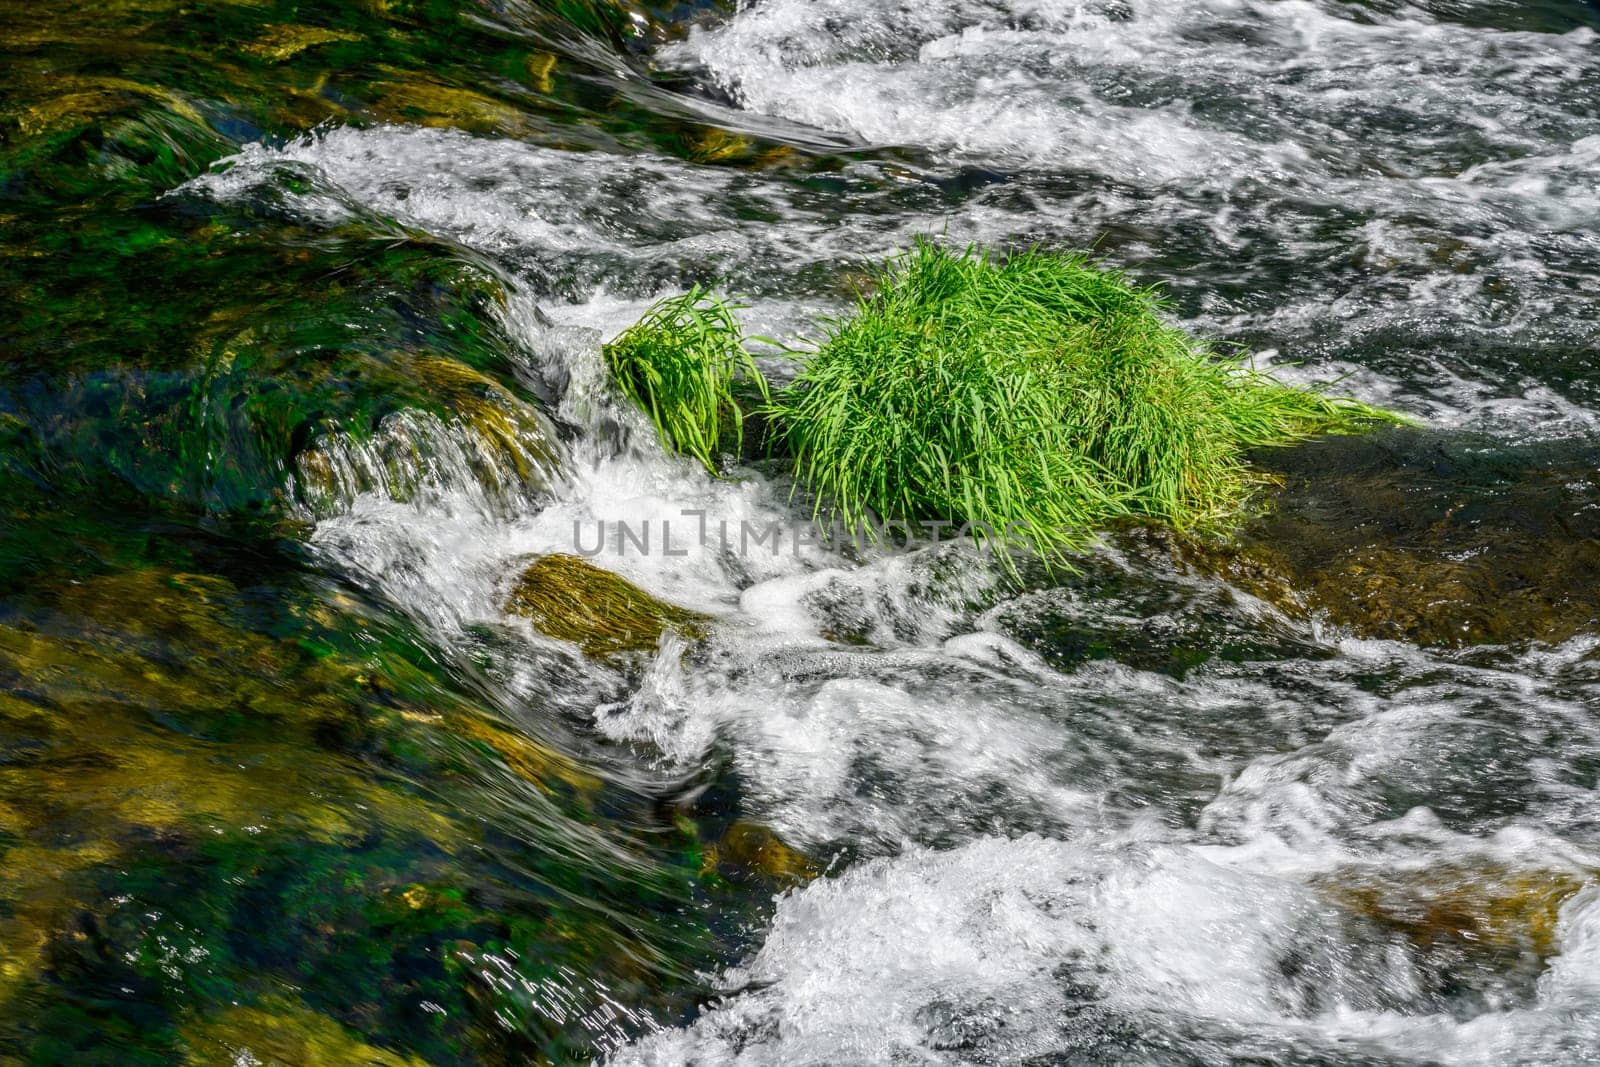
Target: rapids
(1137, 814)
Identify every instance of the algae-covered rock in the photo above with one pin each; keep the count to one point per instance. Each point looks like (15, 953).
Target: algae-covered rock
(467, 431)
(570, 599)
(1476, 935)
(249, 68)
(247, 815)
(212, 792)
(283, 1033)
(1463, 936)
(748, 851)
(282, 42)
(539, 764)
(274, 348)
(428, 102)
(1424, 537)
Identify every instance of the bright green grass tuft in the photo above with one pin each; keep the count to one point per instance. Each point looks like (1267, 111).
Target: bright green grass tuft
(679, 363)
(1040, 398)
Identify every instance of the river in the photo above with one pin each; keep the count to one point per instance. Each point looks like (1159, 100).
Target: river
(302, 366)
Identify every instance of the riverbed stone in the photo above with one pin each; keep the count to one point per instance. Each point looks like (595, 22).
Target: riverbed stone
(750, 851)
(604, 614)
(1419, 535)
(279, 783)
(281, 1030)
(1491, 906)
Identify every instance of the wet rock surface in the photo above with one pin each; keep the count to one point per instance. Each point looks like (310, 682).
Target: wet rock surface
(286, 788)
(1477, 936)
(603, 613)
(1425, 536)
(295, 812)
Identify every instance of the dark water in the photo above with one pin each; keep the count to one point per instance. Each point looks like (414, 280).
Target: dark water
(301, 316)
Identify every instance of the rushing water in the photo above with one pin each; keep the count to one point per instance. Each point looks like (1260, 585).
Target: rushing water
(302, 367)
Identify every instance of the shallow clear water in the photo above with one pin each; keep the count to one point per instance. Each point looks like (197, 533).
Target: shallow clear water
(1137, 816)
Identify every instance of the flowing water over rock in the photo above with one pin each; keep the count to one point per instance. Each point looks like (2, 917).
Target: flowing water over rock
(302, 375)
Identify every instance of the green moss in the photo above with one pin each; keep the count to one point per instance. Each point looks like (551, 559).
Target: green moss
(604, 614)
(285, 334)
(753, 853)
(680, 364)
(283, 1031)
(1038, 398)
(220, 74)
(216, 791)
(240, 806)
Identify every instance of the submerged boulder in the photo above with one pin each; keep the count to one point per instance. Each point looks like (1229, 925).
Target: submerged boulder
(1491, 906)
(1479, 935)
(282, 1030)
(473, 434)
(604, 614)
(750, 852)
(260, 823)
(1425, 537)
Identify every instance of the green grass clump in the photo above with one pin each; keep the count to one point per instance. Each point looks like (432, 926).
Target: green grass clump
(1038, 398)
(679, 363)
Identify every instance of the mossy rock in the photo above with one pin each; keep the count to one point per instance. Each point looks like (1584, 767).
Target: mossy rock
(278, 781)
(605, 615)
(278, 345)
(507, 442)
(287, 40)
(1477, 933)
(427, 102)
(750, 852)
(287, 1033)
(1441, 540)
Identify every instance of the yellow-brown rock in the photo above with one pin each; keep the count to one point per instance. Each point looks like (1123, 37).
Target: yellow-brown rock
(282, 1031)
(1493, 907)
(278, 43)
(752, 852)
(1422, 537)
(604, 614)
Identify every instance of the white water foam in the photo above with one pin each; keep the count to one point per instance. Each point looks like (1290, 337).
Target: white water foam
(1151, 92)
(1455, 263)
(1000, 951)
(1423, 176)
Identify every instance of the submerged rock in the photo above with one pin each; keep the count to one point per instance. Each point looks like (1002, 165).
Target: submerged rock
(476, 436)
(1479, 934)
(283, 42)
(1493, 905)
(284, 1031)
(257, 823)
(751, 852)
(602, 613)
(1418, 536)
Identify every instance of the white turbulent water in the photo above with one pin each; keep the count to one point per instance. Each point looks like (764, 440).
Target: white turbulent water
(1075, 861)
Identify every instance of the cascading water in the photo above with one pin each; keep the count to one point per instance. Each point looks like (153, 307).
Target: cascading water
(1141, 813)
